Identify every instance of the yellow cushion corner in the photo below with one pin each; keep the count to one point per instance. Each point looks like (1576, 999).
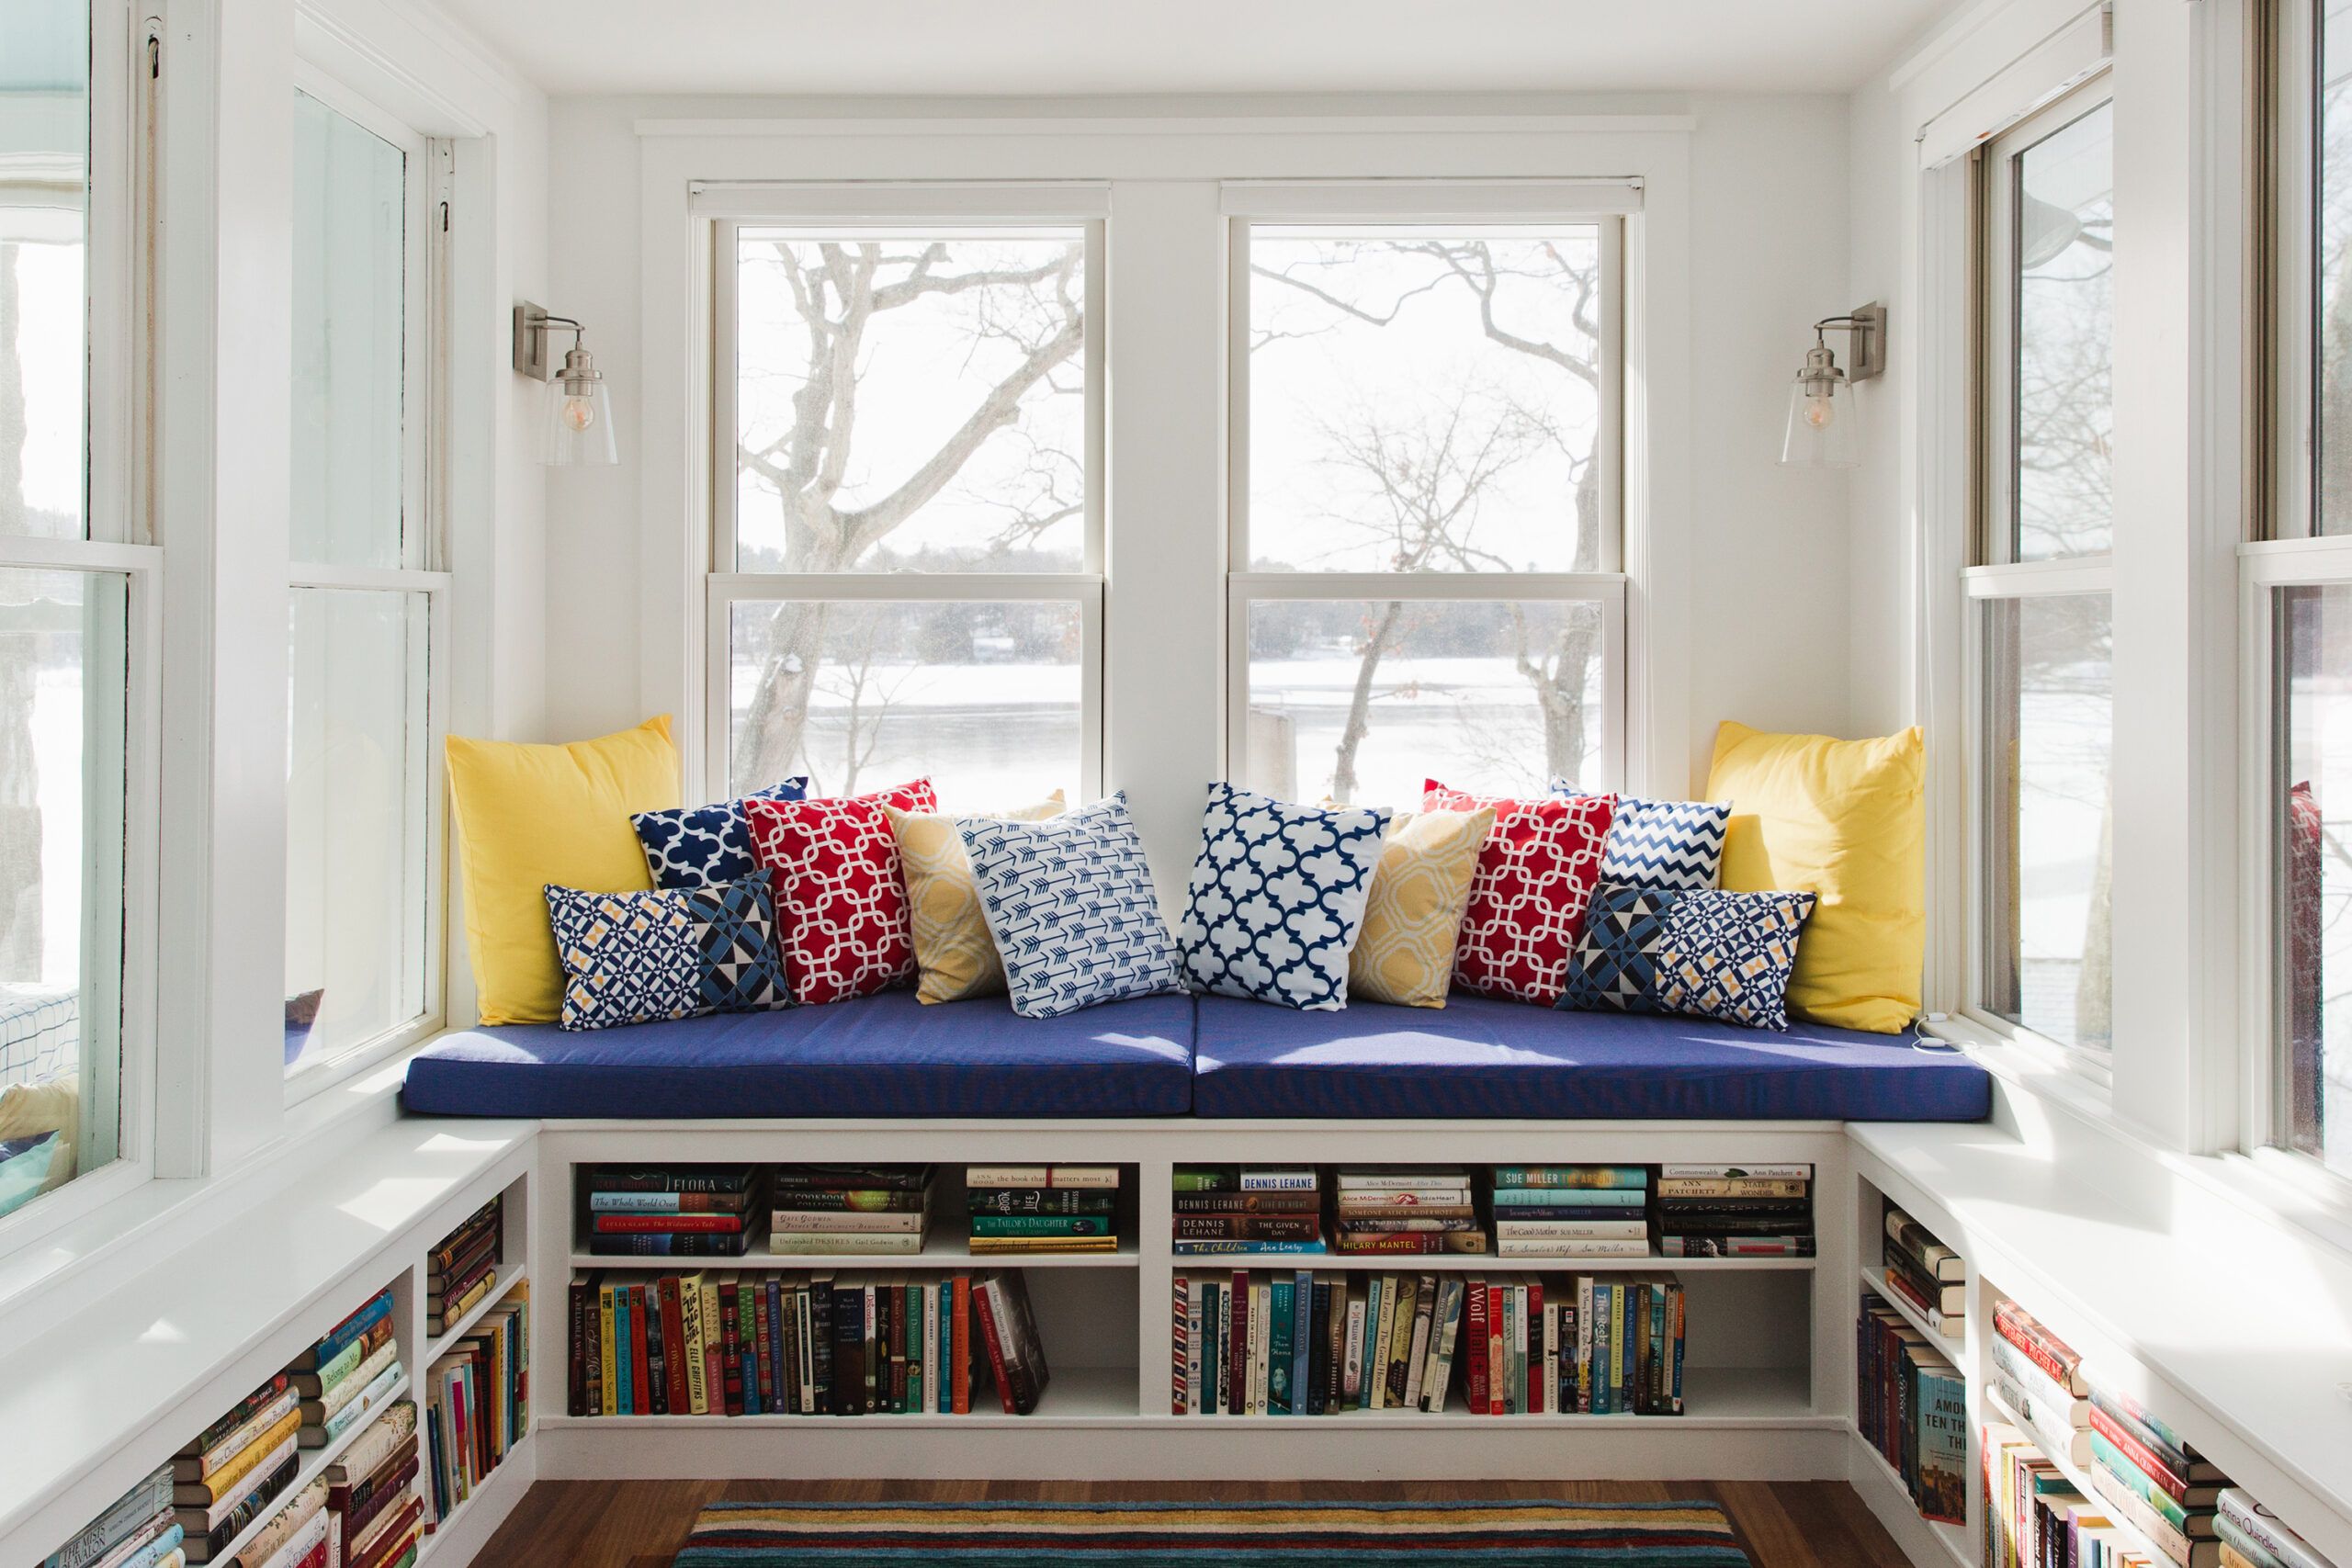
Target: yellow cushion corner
(1412, 917)
(956, 957)
(1845, 820)
(529, 815)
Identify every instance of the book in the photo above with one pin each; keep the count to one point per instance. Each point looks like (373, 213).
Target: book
(1041, 1225)
(1675, 1246)
(1727, 1172)
(2159, 1532)
(732, 1244)
(902, 1244)
(1539, 1246)
(2260, 1534)
(229, 1447)
(1732, 1187)
(703, 1202)
(851, 1178)
(1211, 1227)
(1612, 1198)
(1571, 1176)
(1583, 1230)
(1001, 1176)
(1236, 1248)
(1001, 1246)
(666, 1224)
(1016, 1355)
(671, 1179)
(1277, 1179)
(1411, 1180)
(395, 1428)
(441, 1319)
(1938, 1262)
(232, 1476)
(1050, 1200)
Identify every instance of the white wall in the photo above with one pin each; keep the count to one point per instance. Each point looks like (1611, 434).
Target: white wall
(1766, 627)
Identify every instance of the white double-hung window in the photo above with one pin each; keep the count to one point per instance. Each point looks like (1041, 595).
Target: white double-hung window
(907, 533)
(2040, 579)
(1426, 451)
(367, 588)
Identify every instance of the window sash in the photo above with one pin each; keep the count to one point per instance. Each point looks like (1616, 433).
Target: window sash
(814, 207)
(1244, 590)
(724, 591)
(1278, 205)
(1997, 296)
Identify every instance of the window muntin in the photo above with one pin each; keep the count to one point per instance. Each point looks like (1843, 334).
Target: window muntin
(1427, 454)
(364, 602)
(2047, 747)
(2330, 260)
(909, 500)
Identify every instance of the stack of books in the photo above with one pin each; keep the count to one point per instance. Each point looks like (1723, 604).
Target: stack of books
(1735, 1211)
(813, 1344)
(2146, 1476)
(670, 1211)
(477, 1401)
(1912, 1406)
(1406, 1211)
(351, 1372)
(879, 1209)
(294, 1536)
(137, 1526)
(2253, 1537)
(2034, 1515)
(372, 1485)
(1571, 1211)
(463, 1269)
(2039, 1384)
(1226, 1210)
(1925, 1273)
(236, 1468)
(1298, 1343)
(1020, 1210)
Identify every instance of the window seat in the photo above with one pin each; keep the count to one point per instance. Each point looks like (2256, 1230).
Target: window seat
(890, 1057)
(886, 1055)
(1480, 1058)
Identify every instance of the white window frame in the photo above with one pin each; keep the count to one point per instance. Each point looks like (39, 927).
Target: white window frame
(721, 212)
(429, 186)
(1986, 574)
(122, 540)
(1605, 204)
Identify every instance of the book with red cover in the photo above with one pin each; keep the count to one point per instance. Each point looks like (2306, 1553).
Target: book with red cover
(638, 1224)
(960, 1363)
(1474, 1324)
(673, 1343)
(1498, 1384)
(1240, 1347)
(2046, 1351)
(1535, 1389)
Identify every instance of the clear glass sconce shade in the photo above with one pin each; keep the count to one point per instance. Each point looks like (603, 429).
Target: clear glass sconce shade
(580, 423)
(1821, 426)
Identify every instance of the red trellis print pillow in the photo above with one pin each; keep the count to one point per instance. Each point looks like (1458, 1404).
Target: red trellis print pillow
(840, 899)
(1534, 881)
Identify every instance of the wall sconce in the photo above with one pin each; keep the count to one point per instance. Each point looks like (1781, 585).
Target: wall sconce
(579, 420)
(1821, 434)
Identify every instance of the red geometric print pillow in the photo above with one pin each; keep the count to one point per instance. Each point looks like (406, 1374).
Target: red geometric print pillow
(1534, 881)
(840, 902)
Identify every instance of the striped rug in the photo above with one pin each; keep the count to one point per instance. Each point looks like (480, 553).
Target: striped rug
(1214, 1535)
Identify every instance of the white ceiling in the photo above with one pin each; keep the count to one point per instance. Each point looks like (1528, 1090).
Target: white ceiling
(1086, 47)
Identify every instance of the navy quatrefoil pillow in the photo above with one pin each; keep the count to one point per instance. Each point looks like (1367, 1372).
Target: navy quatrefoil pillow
(642, 957)
(703, 846)
(1277, 899)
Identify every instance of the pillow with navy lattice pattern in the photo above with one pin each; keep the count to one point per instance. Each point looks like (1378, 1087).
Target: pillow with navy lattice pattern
(1662, 844)
(704, 845)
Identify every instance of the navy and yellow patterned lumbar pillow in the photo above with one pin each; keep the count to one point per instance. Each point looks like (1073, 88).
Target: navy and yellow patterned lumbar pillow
(642, 957)
(1703, 952)
(1277, 897)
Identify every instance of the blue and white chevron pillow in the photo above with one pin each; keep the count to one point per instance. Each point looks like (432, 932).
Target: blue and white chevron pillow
(1070, 903)
(1662, 844)
(704, 846)
(1277, 897)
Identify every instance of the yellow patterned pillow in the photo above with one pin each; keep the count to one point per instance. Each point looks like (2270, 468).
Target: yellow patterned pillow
(952, 948)
(1405, 955)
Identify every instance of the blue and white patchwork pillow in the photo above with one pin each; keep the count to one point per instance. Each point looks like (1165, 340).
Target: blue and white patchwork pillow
(640, 957)
(1070, 903)
(1662, 844)
(703, 846)
(1702, 952)
(1277, 897)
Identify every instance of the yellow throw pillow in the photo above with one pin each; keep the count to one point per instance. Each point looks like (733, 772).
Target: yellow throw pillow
(1404, 953)
(52, 1105)
(1845, 820)
(527, 816)
(955, 955)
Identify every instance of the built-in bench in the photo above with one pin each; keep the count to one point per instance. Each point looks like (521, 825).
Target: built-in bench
(1213, 1056)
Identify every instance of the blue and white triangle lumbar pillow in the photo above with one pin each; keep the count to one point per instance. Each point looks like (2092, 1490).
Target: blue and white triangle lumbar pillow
(1277, 896)
(1070, 905)
(1662, 844)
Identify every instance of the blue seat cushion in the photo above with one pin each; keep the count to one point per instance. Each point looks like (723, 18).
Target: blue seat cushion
(882, 1055)
(1481, 1057)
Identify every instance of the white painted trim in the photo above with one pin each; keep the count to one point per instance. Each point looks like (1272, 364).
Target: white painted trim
(1432, 201)
(1167, 125)
(1052, 202)
(2048, 71)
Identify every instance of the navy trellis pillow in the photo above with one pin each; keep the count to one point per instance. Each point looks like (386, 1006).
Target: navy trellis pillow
(640, 957)
(1699, 952)
(700, 846)
(1662, 844)
(1277, 897)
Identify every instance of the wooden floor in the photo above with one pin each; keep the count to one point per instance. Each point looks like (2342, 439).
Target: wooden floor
(638, 1524)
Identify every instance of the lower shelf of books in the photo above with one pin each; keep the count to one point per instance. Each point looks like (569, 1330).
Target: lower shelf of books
(1075, 1395)
(1712, 1396)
